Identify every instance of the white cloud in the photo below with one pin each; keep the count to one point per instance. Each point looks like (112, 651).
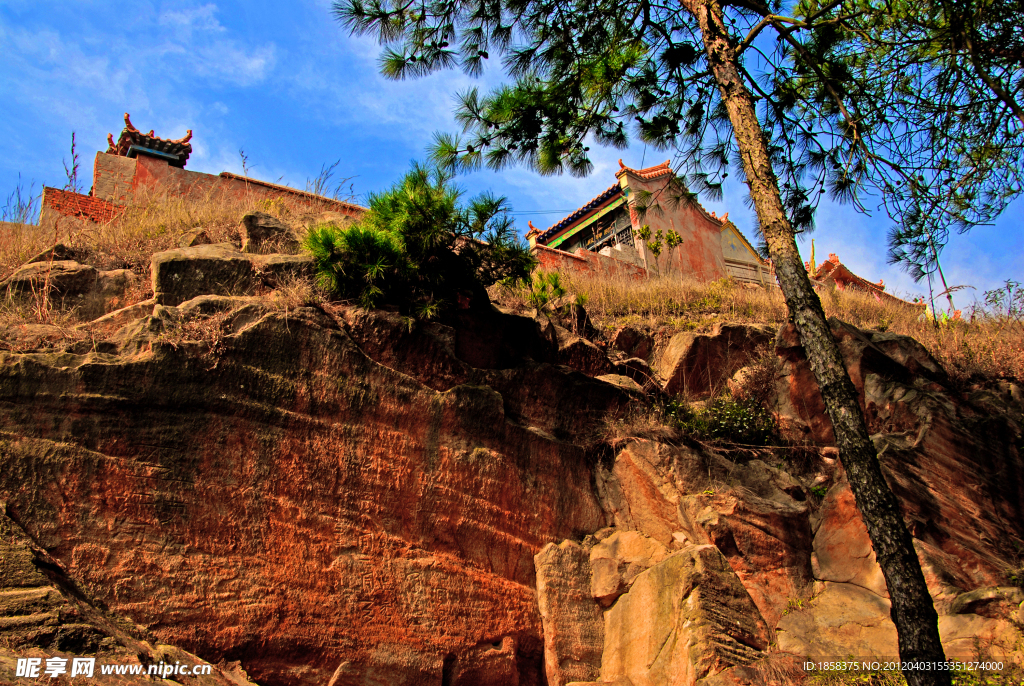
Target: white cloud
(194, 19)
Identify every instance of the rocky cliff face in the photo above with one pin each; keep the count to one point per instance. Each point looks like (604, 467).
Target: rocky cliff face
(330, 495)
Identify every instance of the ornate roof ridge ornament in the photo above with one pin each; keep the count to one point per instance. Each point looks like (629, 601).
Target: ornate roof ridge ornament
(133, 142)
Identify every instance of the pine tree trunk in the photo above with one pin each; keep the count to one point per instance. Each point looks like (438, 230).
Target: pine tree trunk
(912, 609)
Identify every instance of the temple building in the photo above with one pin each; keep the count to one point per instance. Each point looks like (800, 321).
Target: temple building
(137, 161)
(833, 273)
(604, 236)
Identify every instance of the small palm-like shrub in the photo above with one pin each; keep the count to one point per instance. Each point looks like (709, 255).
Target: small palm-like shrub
(419, 249)
(545, 287)
(364, 262)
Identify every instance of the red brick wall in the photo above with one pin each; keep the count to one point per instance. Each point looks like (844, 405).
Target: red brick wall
(71, 204)
(585, 263)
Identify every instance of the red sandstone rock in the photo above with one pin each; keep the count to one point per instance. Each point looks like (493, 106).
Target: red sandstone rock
(842, 548)
(583, 356)
(58, 252)
(941, 452)
(641, 372)
(847, 620)
(45, 615)
(633, 342)
(699, 365)
(760, 523)
(683, 619)
(339, 498)
(617, 559)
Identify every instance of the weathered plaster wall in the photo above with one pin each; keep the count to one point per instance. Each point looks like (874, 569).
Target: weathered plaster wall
(153, 172)
(699, 256)
(113, 177)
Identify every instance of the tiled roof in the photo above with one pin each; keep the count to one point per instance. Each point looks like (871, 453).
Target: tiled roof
(832, 267)
(131, 139)
(647, 172)
(838, 272)
(592, 205)
(658, 171)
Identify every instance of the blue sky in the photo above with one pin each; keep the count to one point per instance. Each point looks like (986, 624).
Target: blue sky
(284, 82)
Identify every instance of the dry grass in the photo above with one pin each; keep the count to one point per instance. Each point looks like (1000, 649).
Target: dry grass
(980, 346)
(153, 221)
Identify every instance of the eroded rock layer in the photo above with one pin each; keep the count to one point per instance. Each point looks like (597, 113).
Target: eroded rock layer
(330, 495)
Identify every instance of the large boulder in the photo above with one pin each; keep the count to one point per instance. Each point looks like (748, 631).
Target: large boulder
(66, 279)
(633, 342)
(57, 253)
(265, 233)
(219, 269)
(580, 354)
(639, 371)
(881, 358)
(682, 620)
(843, 620)
(842, 548)
(618, 559)
(69, 285)
(700, 365)
(573, 624)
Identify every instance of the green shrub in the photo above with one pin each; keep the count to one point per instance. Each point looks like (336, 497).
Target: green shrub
(724, 420)
(419, 249)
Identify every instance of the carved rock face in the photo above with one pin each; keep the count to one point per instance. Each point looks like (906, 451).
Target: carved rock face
(283, 498)
(44, 614)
